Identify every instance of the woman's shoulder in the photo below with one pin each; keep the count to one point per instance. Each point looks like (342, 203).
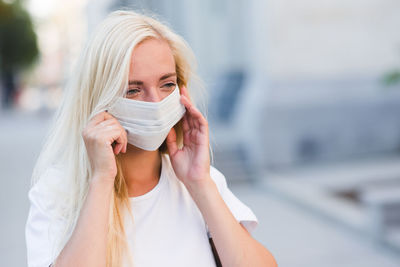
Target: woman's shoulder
(49, 176)
(240, 210)
(47, 186)
(218, 178)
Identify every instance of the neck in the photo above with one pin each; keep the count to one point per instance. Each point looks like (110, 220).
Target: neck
(141, 170)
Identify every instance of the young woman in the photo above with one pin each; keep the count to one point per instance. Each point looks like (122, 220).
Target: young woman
(124, 178)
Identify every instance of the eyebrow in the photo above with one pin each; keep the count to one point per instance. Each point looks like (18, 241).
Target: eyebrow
(165, 76)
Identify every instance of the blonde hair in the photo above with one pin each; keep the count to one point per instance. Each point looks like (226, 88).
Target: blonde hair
(100, 77)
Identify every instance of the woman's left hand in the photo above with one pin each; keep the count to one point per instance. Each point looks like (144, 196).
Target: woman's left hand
(191, 163)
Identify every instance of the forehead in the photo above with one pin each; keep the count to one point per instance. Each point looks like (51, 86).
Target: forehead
(150, 58)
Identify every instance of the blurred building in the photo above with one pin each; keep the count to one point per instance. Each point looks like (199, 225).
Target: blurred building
(321, 93)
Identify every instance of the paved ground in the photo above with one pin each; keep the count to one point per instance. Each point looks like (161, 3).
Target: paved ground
(299, 238)
(295, 236)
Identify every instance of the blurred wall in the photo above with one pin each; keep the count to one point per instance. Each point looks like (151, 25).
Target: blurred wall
(332, 39)
(316, 93)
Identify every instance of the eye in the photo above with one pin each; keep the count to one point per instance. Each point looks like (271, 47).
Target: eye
(169, 85)
(132, 92)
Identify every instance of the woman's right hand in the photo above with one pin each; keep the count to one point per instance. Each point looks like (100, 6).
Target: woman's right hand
(99, 135)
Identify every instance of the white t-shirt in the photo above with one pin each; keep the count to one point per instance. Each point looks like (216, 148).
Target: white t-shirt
(168, 228)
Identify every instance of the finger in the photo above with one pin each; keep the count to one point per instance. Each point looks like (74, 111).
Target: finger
(99, 118)
(199, 122)
(189, 101)
(190, 121)
(96, 119)
(196, 114)
(185, 92)
(108, 122)
(171, 142)
(121, 147)
(197, 119)
(114, 134)
(185, 123)
(186, 129)
(125, 135)
(123, 131)
(187, 105)
(113, 124)
(106, 126)
(117, 149)
(118, 137)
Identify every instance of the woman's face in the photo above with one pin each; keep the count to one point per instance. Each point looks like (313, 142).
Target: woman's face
(152, 74)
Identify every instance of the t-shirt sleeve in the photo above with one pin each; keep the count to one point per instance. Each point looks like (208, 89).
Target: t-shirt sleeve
(42, 228)
(240, 211)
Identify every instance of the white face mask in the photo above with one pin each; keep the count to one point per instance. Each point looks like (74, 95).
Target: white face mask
(148, 123)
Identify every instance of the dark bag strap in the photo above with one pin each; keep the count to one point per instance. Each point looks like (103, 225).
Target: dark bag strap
(213, 249)
(215, 253)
